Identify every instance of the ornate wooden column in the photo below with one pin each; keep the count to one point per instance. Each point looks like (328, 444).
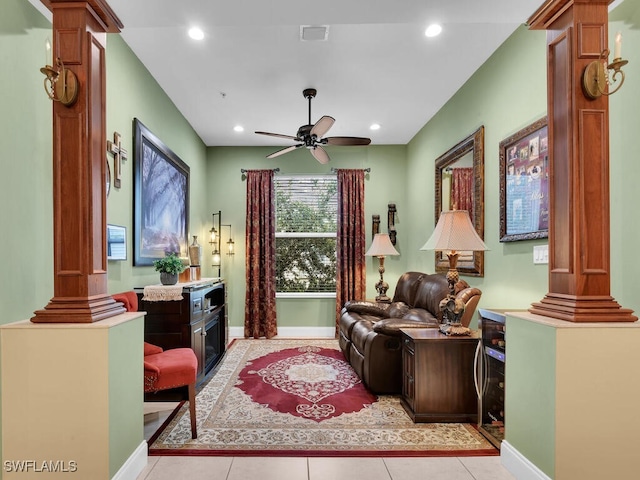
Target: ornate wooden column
(79, 150)
(579, 249)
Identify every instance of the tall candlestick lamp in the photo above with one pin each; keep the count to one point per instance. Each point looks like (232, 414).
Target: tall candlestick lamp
(381, 247)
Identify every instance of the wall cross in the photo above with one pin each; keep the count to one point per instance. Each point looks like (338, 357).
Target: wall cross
(119, 156)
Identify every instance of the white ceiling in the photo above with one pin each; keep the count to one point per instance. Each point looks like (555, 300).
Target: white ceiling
(376, 66)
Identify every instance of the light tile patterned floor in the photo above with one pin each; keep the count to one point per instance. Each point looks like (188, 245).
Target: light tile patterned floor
(324, 468)
(316, 468)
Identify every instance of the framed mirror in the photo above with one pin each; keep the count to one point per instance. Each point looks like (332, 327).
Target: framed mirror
(459, 179)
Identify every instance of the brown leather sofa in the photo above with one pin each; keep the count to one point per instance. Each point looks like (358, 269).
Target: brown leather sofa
(370, 332)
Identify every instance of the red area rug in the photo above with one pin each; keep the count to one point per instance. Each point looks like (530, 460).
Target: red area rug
(309, 382)
(301, 398)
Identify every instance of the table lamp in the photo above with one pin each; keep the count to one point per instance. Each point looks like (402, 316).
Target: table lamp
(381, 247)
(453, 234)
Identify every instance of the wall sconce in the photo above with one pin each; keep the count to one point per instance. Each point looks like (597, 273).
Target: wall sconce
(230, 244)
(214, 241)
(391, 222)
(596, 80)
(375, 225)
(60, 83)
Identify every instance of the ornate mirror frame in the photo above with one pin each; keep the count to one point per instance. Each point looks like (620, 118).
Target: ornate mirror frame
(473, 144)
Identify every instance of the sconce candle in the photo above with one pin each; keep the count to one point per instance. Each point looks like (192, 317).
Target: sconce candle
(617, 51)
(48, 54)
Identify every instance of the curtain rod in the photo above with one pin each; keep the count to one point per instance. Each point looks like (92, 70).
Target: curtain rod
(335, 170)
(242, 170)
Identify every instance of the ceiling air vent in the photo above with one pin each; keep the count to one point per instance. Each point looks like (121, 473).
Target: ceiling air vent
(314, 33)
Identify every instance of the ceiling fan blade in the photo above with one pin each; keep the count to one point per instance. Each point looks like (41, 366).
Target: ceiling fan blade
(322, 126)
(320, 154)
(346, 141)
(283, 151)
(279, 135)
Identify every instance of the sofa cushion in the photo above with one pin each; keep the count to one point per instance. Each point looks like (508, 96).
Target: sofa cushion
(398, 309)
(406, 287)
(359, 333)
(432, 289)
(421, 315)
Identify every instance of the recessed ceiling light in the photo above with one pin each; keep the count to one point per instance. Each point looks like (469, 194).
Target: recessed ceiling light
(374, 126)
(433, 30)
(196, 33)
(238, 128)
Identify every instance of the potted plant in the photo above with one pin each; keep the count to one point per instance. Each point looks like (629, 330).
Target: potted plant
(169, 267)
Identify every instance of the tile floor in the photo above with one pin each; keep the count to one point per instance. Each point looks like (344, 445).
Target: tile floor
(313, 468)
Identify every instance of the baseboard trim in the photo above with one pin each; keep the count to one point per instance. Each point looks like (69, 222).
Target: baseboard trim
(519, 466)
(292, 332)
(134, 465)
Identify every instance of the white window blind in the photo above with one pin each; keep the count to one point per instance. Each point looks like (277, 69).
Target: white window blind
(306, 224)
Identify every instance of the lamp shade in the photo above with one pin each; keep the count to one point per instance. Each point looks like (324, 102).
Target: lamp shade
(454, 231)
(381, 246)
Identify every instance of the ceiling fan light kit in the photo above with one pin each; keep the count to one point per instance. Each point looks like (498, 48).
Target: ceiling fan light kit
(311, 136)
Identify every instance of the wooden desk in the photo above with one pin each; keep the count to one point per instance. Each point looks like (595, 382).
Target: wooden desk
(437, 376)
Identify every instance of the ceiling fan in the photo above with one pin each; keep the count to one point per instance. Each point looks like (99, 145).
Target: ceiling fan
(311, 136)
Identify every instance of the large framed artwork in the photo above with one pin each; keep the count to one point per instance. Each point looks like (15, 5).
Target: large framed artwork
(160, 199)
(524, 184)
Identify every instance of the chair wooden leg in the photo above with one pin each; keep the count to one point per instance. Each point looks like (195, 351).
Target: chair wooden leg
(192, 409)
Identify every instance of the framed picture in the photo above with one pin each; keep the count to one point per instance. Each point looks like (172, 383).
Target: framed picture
(160, 199)
(524, 184)
(116, 242)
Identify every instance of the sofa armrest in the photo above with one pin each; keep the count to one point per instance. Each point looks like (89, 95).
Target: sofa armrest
(392, 326)
(470, 297)
(367, 308)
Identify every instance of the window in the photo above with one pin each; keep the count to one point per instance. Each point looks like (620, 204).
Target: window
(306, 225)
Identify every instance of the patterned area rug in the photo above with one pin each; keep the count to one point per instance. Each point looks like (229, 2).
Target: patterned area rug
(300, 398)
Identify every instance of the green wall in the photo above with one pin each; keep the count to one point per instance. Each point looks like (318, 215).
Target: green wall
(530, 398)
(383, 185)
(504, 95)
(26, 139)
(624, 118)
(507, 93)
(26, 194)
(27, 180)
(126, 411)
(133, 93)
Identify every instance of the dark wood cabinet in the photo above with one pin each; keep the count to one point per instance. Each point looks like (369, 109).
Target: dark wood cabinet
(437, 376)
(198, 321)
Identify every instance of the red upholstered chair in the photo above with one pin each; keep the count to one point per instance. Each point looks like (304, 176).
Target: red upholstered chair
(164, 369)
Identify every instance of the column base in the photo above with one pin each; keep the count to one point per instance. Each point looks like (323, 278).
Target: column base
(78, 310)
(582, 309)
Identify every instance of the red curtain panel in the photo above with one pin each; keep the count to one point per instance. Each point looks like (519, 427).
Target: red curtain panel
(462, 190)
(351, 271)
(260, 300)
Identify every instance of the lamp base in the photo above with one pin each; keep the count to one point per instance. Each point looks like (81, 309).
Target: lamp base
(454, 329)
(381, 288)
(383, 299)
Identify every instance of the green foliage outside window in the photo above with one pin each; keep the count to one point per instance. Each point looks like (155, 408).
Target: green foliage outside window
(306, 223)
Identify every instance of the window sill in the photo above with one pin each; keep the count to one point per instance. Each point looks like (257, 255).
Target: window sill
(306, 295)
